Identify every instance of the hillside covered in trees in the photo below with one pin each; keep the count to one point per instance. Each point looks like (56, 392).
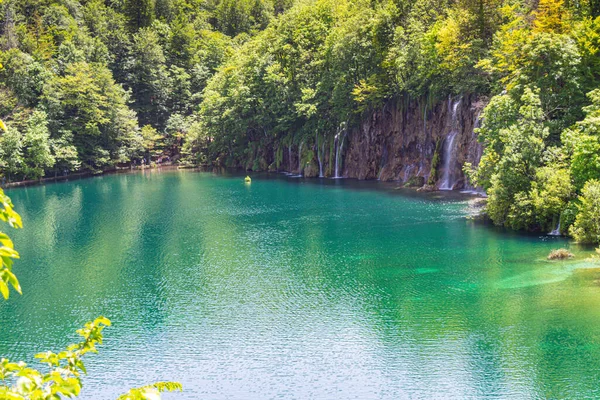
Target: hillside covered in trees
(90, 85)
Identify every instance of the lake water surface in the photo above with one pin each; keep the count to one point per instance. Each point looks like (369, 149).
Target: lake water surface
(299, 289)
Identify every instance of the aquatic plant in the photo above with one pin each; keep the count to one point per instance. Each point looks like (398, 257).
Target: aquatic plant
(560, 254)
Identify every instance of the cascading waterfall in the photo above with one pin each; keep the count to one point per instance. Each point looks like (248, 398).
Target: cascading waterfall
(556, 231)
(290, 157)
(339, 145)
(450, 149)
(407, 170)
(448, 158)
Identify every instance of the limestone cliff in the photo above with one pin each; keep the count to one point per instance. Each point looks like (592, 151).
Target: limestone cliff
(397, 143)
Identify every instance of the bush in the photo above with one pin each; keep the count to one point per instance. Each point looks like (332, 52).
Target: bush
(586, 228)
(415, 181)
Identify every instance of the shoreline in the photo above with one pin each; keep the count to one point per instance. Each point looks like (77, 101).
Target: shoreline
(80, 175)
(91, 174)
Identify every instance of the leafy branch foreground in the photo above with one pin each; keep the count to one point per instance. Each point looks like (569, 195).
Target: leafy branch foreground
(20, 382)
(63, 379)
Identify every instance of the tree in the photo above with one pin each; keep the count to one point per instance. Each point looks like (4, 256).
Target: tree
(240, 16)
(65, 154)
(582, 141)
(586, 228)
(551, 16)
(87, 104)
(151, 142)
(37, 157)
(514, 135)
(11, 153)
(110, 27)
(148, 78)
(550, 194)
(23, 75)
(140, 13)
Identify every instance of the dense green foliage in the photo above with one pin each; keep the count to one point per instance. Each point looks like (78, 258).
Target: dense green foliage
(587, 223)
(92, 85)
(78, 79)
(539, 133)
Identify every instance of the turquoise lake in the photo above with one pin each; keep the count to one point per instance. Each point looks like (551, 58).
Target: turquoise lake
(298, 289)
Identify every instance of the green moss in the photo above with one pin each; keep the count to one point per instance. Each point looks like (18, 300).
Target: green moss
(278, 156)
(435, 163)
(415, 181)
(331, 163)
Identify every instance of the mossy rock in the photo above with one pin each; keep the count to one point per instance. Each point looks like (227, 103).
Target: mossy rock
(263, 164)
(415, 181)
(426, 188)
(311, 170)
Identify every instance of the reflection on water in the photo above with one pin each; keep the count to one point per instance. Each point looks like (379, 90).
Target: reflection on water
(298, 288)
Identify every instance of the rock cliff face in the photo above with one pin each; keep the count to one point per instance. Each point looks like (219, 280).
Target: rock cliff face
(398, 143)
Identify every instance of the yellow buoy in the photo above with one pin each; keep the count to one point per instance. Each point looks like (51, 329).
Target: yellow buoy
(248, 180)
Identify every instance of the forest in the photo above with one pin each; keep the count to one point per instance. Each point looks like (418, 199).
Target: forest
(99, 84)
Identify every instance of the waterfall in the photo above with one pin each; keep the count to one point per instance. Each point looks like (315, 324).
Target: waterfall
(450, 150)
(300, 159)
(448, 158)
(319, 155)
(335, 146)
(556, 231)
(407, 170)
(290, 157)
(339, 145)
